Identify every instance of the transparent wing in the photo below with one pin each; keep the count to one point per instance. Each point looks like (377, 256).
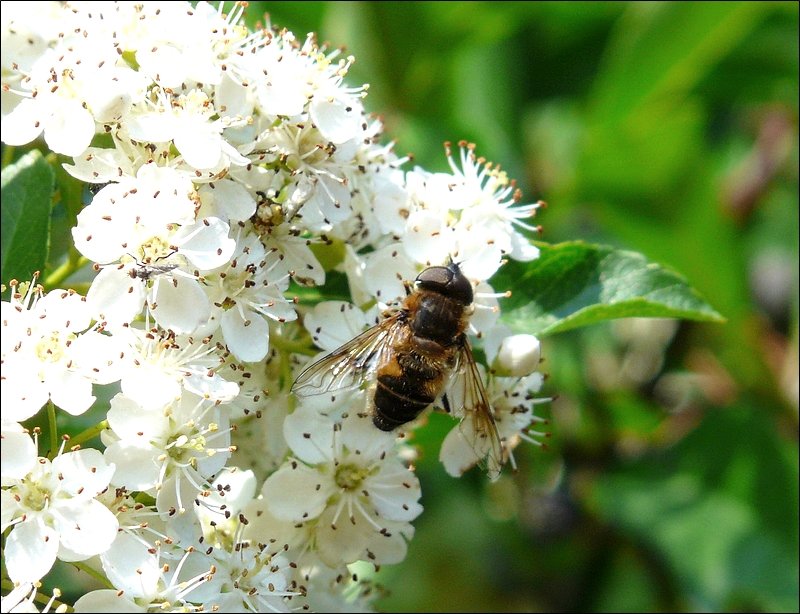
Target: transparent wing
(468, 399)
(352, 363)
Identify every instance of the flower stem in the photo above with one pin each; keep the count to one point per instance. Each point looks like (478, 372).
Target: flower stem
(89, 433)
(51, 421)
(74, 262)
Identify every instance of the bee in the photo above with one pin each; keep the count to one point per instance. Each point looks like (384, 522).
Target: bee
(416, 354)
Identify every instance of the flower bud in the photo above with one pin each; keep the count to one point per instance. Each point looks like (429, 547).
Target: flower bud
(518, 355)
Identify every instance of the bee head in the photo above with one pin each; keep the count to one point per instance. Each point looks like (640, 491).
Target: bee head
(447, 280)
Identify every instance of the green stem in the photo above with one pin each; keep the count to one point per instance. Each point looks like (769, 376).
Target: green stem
(8, 155)
(72, 264)
(51, 421)
(89, 433)
(282, 344)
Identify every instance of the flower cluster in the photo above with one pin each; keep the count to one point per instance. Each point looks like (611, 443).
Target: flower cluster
(230, 171)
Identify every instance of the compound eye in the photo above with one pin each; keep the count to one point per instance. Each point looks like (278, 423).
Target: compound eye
(435, 278)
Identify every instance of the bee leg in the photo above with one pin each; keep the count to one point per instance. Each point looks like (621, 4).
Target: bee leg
(446, 404)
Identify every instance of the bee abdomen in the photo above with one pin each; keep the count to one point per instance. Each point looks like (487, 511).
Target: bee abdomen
(396, 402)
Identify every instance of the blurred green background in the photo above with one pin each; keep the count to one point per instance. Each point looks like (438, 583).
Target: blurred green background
(671, 477)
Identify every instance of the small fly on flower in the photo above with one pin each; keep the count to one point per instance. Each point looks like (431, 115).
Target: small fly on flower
(145, 271)
(418, 353)
(148, 271)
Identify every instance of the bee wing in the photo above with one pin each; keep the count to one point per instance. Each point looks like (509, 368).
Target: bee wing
(478, 426)
(350, 364)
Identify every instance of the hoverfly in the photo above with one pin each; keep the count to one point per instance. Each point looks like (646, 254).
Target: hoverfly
(417, 354)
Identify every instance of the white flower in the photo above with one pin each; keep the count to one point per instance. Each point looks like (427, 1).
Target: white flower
(53, 513)
(150, 221)
(517, 356)
(172, 451)
(246, 293)
(156, 575)
(349, 481)
(318, 192)
(50, 352)
(188, 121)
(513, 404)
(160, 365)
(248, 579)
(491, 208)
(70, 88)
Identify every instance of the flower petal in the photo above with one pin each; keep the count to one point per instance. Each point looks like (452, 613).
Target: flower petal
(30, 551)
(247, 339)
(86, 529)
(296, 492)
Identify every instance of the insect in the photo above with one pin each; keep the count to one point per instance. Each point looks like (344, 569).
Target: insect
(148, 271)
(417, 354)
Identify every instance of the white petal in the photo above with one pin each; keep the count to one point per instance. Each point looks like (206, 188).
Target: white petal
(151, 127)
(86, 529)
(332, 198)
(179, 304)
(107, 600)
(394, 492)
(479, 260)
(85, 471)
(131, 568)
(22, 392)
(522, 249)
(176, 496)
(234, 488)
(386, 271)
(393, 547)
(206, 244)
(309, 435)
(71, 391)
(247, 339)
(232, 201)
(10, 509)
(115, 297)
(338, 120)
(360, 436)
(150, 386)
(23, 124)
(17, 454)
(487, 308)
(296, 492)
(136, 467)
(305, 264)
(65, 310)
(130, 420)
(428, 240)
(70, 129)
(211, 387)
(340, 540)
(100, 165)
(30, 551)
(199, 146)
(332, 323)
(99, 355)
(464, 447)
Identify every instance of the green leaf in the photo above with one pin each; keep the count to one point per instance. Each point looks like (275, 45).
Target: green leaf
(725, 523)
(576, 284)
(27, 188)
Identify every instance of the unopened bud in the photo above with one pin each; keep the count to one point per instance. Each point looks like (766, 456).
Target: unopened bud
(518, 355)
